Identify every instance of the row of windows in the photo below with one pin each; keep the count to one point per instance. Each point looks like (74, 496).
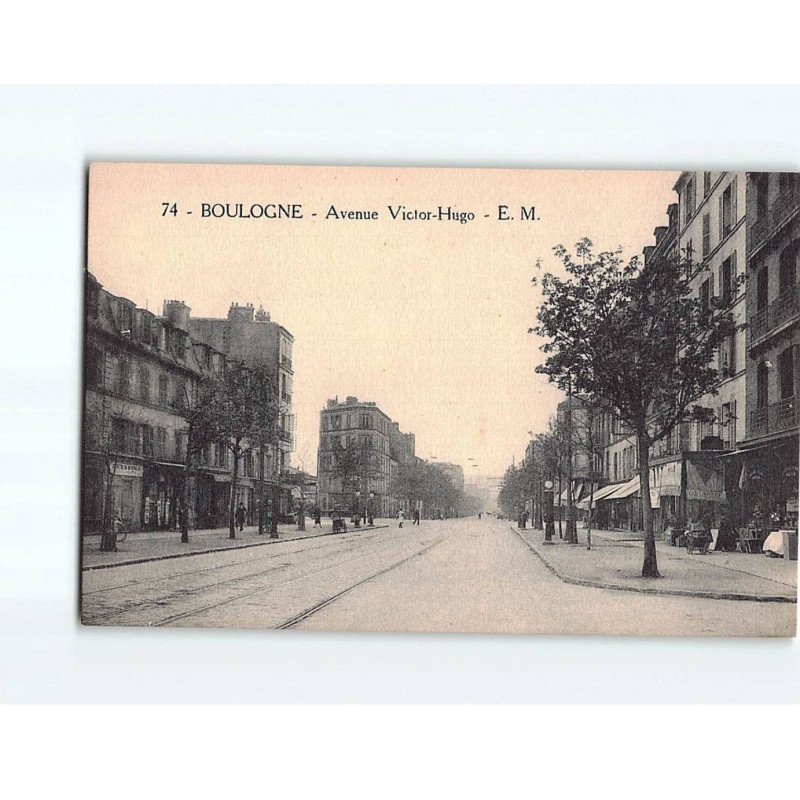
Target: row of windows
(134, 381)
(147, 441)
(359, 440)
(354, 419)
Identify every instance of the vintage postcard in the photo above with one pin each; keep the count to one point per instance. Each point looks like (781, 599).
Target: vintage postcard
(441, 400)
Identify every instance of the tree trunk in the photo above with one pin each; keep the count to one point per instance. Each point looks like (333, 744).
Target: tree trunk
(185, 495)
(589, 518)
(108, 537)
(560, 529)
(273, 525)
(232, 500)
(650, 565)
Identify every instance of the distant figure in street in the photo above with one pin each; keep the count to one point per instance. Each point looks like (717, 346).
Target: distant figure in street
(416, 517)
(240, 516)
(480, 515)
(400, 517)
(317, 520)
(727, 537)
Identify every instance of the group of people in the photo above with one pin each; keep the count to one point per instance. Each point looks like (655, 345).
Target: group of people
(401, 516)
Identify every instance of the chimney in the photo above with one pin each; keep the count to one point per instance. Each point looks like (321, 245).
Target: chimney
(351, 401)
(177, 313)
(237, 313)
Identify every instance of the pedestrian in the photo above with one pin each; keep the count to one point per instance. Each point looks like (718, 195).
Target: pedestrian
(400, 517)
(416, 516)
(317, 520)
(241, 515)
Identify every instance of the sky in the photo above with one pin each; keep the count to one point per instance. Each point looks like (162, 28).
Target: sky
(427, 318)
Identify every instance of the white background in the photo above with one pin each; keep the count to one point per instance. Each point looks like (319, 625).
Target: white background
(47, 138)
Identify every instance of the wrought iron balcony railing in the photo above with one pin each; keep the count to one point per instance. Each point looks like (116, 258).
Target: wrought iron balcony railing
(777, 313)
(786, 204)
(774, 418)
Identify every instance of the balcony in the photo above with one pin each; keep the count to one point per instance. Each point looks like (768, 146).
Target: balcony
(785, 309)
(286, 362)
(785, 206)
(782, 416)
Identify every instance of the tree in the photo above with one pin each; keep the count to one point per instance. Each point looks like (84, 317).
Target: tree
(240, 412)
(637, 339)
(347, 465)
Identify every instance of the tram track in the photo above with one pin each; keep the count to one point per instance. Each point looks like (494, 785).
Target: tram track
(178, 575)
(317, 567)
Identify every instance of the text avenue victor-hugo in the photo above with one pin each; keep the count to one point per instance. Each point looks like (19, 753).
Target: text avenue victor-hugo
(295, 211)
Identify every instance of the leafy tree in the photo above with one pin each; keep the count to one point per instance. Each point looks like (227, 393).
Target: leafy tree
(348, 465)
(637, 339)
(240, 412)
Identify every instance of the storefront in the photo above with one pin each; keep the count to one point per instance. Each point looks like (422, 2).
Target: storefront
(124, 494)
(161, 500)
(769, 483)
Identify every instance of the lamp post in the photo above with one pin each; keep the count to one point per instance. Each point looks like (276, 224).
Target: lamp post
(547, 512)
(357, 510)
(368, 509)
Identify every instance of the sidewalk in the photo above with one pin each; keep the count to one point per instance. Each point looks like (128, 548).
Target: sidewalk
(615, 562)
(159, 545)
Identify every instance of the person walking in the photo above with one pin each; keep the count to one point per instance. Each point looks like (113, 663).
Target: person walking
(416, 517)
(317, 520)
(400, 517)
(241, 515)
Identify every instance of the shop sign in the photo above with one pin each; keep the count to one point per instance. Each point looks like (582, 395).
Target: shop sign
(129, 471)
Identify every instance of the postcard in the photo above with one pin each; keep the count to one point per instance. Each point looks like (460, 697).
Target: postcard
(449, 400)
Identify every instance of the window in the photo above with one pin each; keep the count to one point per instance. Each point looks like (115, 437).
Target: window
(706, 184)
(144, 383)
(147, 442)
(161, 450)
(132, 439)
(786, 372)
(788, 267)
(706, 234)
(727, 357)
(124, 377)
(706, 292)
(762, 194)
(728, 425)
(727, 210)
(762, 289)
(689, 200)
(94, 366)
(727, 278)
(762, 385)
(163, 389)
(118, 435)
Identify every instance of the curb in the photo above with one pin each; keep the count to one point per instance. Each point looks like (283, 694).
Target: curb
(755, 598)
(205, 552)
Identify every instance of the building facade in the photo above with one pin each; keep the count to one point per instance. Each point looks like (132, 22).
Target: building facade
(250, 336)
(139, 371)
(768, 472)
(142, 372)
(361, 451)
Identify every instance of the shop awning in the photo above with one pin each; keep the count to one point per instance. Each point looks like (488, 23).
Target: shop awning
(600, 494)
(704, 482)
(626, 490)
(576, 493)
